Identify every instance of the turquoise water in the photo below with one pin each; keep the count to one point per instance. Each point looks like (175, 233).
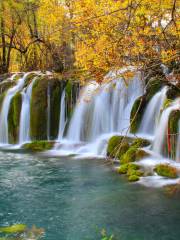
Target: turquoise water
(74, 199)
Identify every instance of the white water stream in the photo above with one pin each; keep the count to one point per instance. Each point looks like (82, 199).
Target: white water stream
(5, 108)
(24, 130)
(62, 120)
(152, 113)
(100, 111)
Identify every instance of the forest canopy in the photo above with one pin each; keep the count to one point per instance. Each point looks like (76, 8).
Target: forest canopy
(93, 36)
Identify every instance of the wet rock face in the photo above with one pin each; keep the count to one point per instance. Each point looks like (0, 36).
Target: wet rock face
(14, 118)
(46, 95)
(53, 87)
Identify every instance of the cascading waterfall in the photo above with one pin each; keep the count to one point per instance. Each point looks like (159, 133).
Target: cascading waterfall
(161, 130)
(62, 119)
(104, 109)
(24, 131)
(152, 113)
(5, 108)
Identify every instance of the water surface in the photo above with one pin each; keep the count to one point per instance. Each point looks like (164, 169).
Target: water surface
(74, 199)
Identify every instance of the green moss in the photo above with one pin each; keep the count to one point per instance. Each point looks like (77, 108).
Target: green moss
(124, 168)
(38, 110)
(137, 114)
(56, 92)
(122, 149)
(113, 144)
(140, 154)
(133, 178)
(14, 118)
(132, 172)
(5, 85)
(166, 170)
(153, 86)
(29, 78)
(167, 103)
(39, 105)
(38, 146)
(129, 156)
(140, 142)
(174, 121)
(17, 228)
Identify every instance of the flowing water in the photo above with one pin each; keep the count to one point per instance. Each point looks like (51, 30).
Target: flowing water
(151, 116)
(62, 121)
(24, 130)
(5, 108)
(74, 199)
(104, 109)
(161, 130)
(100, 112)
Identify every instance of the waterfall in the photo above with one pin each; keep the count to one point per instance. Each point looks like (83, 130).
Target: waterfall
(48, 112)
(62, 118)
(5, 108)
(161, 130)
(103, 109)
(24, 131)
(152, 112)
(178, 145)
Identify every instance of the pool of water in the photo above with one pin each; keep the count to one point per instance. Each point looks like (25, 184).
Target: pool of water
(74, 199)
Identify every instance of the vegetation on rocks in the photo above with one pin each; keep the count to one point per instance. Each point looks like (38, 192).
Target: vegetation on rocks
(132, 171)
(14, 118)
(38, 112)
(137, 114)
(38, 146)
(133, 178)
(166, 170)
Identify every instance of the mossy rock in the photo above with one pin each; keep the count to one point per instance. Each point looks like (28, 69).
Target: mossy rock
(117, 146)
(167, 103)
(39, 105)
(174, 119)
(14, 229)
(129, 156)
(14, 118)
(124, 168)
(5, 85)
(153, 86)
(173, 92)
(137, 113)
(29, 78)
(166, 170)
(113, 143)
(140, 154)
(38, 146)
(38, 110)
(131, 172)
(173, 126)
(141, 142)
(133, 178)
